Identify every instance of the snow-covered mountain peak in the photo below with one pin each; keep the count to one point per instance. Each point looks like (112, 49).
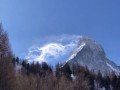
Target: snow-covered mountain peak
(91, 43)
(91, 54)
(86, 43)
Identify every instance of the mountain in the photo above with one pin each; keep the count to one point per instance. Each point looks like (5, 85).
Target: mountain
(91, 54)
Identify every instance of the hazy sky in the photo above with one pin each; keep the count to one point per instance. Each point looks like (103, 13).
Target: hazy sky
(37, 22)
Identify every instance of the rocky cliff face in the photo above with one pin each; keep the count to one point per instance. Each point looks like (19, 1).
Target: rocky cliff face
(91, 54)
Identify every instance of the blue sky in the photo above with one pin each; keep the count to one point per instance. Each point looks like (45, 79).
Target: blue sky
(31, 22)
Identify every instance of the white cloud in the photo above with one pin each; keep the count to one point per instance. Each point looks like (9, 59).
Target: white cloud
(53, 52)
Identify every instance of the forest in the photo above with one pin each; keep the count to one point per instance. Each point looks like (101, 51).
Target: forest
(18, 74)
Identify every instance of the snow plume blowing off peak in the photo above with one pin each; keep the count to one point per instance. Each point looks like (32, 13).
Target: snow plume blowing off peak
(56, 50)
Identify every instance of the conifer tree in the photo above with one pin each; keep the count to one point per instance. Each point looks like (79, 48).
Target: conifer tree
(7, 79)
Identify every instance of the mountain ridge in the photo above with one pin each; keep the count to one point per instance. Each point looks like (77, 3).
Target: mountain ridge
(91, 54)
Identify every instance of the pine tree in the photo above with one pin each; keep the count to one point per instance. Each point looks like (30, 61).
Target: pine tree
(114, 82)
(7, 79)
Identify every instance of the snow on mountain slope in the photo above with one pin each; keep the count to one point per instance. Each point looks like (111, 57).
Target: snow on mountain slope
(91, 54)
(78, 49)
(111, 67)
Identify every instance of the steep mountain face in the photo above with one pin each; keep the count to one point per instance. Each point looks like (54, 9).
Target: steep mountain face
(91, 54)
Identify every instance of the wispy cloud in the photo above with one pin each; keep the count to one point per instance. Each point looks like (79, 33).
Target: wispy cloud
(55, 51)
